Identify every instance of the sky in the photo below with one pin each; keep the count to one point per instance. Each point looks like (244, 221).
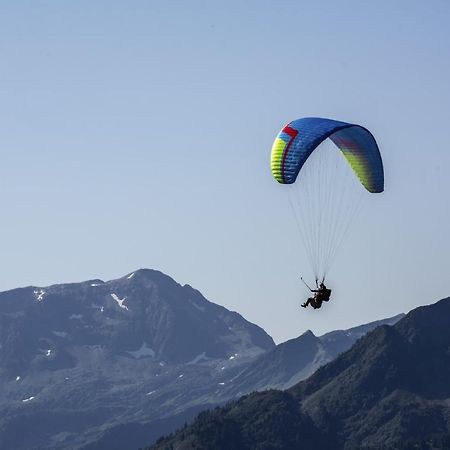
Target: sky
(138, 134)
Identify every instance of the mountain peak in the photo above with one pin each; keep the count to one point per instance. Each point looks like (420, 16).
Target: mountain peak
(143, 309)
(308, 334)
(146, 274)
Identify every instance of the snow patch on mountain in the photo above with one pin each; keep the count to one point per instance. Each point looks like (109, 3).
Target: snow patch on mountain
(75, 316)
(39, 294)
(120, 301)
(142, 352)
(61, 334)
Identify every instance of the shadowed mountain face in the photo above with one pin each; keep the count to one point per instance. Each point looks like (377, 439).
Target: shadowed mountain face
(297, 359)
(391, 390)
(79, 359)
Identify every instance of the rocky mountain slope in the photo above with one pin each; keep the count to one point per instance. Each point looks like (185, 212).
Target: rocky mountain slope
(391, 390)
(79, 359)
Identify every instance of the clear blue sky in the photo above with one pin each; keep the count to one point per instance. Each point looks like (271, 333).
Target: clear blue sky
(138, 134)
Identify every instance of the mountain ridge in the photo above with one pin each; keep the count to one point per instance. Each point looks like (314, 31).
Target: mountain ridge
(294, 360)
(372, 396)
(89, 363)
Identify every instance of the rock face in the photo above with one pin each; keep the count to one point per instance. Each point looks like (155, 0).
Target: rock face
(79, 359)
(391, 390)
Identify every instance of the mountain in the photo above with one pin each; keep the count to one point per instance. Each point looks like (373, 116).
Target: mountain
(142, 314)
(297, 359)
(104, 365)
(79, 360)
(391, 390)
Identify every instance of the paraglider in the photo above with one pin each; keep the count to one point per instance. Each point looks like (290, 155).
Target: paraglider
(322, 294)
(307, 158)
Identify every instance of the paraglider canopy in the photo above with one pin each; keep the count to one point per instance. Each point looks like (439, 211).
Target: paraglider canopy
(298, 139)
(323, 191)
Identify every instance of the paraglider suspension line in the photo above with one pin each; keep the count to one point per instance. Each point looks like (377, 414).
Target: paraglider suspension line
(304, 282)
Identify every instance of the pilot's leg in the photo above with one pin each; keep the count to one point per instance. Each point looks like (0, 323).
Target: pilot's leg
(316, 304)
